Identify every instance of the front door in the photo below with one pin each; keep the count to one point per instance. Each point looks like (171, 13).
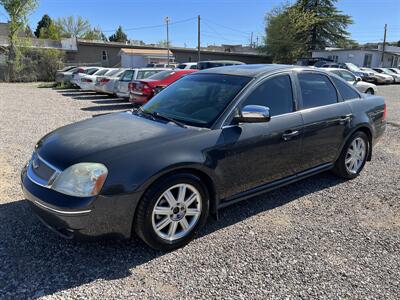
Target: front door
(258, 153)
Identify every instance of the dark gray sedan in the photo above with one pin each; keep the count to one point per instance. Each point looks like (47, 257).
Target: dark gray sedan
(209, 140)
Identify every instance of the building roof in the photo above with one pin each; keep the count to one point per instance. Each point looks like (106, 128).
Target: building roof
(146, 51)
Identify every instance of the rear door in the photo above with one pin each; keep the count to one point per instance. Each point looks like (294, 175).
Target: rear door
(325, 118)
(124, 81)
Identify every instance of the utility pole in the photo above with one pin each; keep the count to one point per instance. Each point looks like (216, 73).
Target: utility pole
(198, 38)
(383, 46)
(251, 40)
(257, 41)
(167, 22)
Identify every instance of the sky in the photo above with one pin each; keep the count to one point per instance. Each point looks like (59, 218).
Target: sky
(222, 21)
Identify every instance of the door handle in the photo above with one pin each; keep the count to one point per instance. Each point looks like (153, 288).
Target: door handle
(344, 119)
(290, 134)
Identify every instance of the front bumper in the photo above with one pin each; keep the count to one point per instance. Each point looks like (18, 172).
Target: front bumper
(81, 218)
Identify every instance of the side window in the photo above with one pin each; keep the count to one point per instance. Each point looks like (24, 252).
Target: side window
(316, 90)
(275, 93)
(346, 91)
(346, 75)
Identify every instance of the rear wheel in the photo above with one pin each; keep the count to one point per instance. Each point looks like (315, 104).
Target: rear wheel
(171, 212)
(369, 91)
(353, 157)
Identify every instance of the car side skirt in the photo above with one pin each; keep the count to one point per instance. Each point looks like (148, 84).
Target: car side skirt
(274, 185)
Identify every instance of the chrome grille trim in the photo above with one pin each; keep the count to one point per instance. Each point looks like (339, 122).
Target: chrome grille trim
(37, 179)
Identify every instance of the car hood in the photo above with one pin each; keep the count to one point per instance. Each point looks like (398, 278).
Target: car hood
(110, 134)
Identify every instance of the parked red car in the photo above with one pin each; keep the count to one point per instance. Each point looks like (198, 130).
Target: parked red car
(141, 91)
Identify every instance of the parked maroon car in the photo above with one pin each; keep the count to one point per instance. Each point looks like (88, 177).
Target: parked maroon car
(141, 91)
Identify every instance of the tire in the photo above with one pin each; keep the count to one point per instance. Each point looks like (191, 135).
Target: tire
(346, 171)
(172, 218)
(369, 91)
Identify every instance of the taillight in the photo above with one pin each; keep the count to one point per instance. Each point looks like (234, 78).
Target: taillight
(131, 86)
(81, 70)
(384, 112)
(146, 89)
(104, 80)
(86, 80)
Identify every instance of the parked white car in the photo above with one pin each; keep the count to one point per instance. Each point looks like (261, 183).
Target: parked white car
(386, 71)
(65, 74)
(108, 84)
(134, 74)
(88, 81)
(379, 77)
(82, 71)
(187, 65)
(361, 86)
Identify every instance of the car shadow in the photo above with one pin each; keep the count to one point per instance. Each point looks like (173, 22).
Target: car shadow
(36, 262)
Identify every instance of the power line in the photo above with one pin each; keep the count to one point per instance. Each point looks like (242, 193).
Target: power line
(152, 26)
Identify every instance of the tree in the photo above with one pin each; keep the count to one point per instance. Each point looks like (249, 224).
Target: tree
(94, 34)
(43, 25)
(295, 30)
(329, 24)
(73, 27)
(284, 27)
(119, 36)
(18, 11)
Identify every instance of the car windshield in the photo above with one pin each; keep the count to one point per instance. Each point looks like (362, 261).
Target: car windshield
(353, 67)
(389, 71)
(197, 100)
(161, 75)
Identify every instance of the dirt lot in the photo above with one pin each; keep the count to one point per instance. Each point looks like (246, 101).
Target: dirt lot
(319, 238)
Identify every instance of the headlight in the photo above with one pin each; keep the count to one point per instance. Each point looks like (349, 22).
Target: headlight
(81, 180)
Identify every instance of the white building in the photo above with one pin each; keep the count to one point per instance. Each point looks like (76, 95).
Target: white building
(362, 57)
(138, 58)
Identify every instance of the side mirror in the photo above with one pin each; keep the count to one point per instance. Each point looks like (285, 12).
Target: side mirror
(252, 114)
(358, 78)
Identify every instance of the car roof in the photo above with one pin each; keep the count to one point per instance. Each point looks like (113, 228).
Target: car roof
(253, 70)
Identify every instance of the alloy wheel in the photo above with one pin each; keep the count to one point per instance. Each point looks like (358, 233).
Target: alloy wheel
(355, 155)
(176, 212)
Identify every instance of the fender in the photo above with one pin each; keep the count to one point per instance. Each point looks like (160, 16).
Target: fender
(351, 132)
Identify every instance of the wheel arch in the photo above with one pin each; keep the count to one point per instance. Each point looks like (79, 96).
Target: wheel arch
(363, 128)
(203, 175)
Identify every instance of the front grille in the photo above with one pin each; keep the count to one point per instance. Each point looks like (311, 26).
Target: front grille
(43, 173)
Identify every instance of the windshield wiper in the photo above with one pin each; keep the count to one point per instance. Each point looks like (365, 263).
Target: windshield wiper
(155, 115)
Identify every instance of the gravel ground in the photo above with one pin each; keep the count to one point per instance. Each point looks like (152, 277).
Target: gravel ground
(319, 238)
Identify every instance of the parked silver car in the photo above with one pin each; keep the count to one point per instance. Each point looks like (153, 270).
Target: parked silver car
(129, 75)
(108, 84)
(361, 86)
(82, 71)
(379, 77)
(65, 74)
(387, 71)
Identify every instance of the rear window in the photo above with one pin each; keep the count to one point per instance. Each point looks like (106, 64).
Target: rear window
(112, 72)
(146, 73)
(316, 90)
(102, 72)
(128, 75)
(345, 90)
(181, 66)
(91, 71)
(161, 75)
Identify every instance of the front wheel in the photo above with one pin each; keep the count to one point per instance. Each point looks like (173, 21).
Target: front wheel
(172, 211)
(353, 157)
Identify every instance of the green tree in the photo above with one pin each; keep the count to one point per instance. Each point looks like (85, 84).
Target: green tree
(73, 27)
(119, 36)
(18, 11)
(94, 34)
(284, 28)
(329, 24)
(43, 25)
(295, 30)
